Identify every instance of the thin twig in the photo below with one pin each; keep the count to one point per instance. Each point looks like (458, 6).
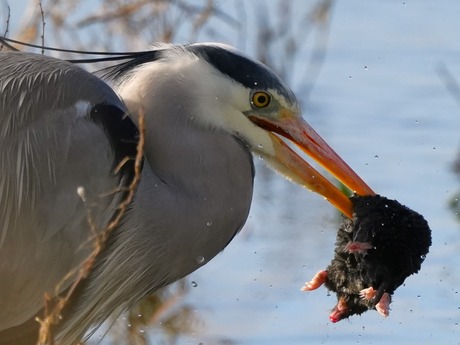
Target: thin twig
(7, 24)
(43, 26)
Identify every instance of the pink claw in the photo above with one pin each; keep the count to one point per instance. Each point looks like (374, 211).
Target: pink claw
(368, 293)
(383, 307)
(318, 280)
(358, 247)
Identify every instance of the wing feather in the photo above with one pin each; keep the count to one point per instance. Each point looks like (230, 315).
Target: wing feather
(56, 134)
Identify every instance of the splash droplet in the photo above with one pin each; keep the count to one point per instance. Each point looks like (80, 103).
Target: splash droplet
(194, 284)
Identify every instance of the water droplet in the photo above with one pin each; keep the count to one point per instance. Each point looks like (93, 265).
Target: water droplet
(365, 68)
(349, 77)
(260, 146)
(199, 259)
(376, 156)
(416, 121)
(81, 193)
(194, 283)
(141, 330)
(209, 223)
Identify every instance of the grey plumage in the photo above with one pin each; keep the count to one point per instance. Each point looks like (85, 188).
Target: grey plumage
(40, 148)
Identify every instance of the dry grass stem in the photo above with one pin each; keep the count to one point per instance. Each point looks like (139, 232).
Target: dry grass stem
(42, 14)
(7, 26)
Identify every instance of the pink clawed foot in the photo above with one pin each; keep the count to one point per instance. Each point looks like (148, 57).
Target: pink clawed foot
(383, 306)
(358, 247)
(318, 280)
(368, 293)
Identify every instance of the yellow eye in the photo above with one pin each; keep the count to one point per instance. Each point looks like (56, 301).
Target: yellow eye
(261, 99)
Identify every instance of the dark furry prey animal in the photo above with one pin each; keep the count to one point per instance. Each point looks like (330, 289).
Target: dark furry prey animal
(375, 252)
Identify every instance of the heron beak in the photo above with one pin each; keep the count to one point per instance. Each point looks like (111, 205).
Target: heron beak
(297, 130)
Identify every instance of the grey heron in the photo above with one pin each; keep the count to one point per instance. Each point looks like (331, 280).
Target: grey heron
(206, 108)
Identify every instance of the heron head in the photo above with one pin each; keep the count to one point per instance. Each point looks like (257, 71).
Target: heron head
(265, 112)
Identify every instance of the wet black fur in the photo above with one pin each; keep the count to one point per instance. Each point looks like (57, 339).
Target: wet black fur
(400, 238)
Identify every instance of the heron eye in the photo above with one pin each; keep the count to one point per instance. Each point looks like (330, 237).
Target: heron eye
(261, 99)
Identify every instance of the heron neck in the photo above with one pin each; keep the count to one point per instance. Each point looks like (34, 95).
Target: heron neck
(194, 195)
